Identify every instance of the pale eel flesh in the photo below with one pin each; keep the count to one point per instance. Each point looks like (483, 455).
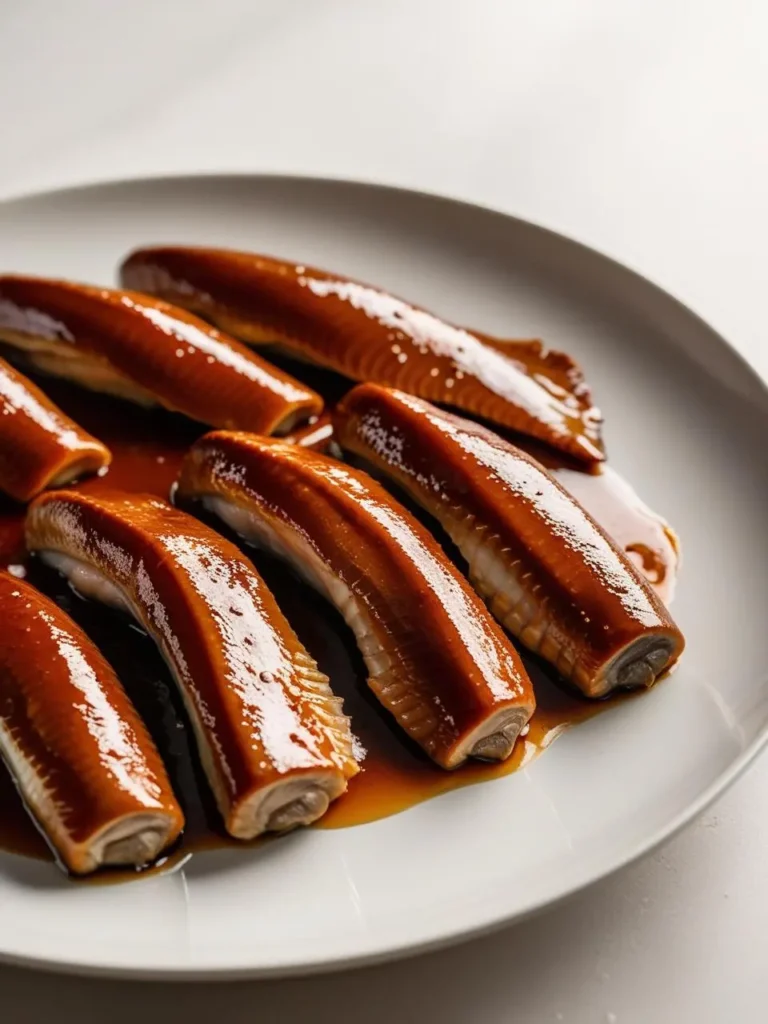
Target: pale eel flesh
(147, 351)
(272, 738)
(436, 660)
(368, 334)
(81, 758)
(549, 573)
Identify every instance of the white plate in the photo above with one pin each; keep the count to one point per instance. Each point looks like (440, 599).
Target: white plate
(686, 422)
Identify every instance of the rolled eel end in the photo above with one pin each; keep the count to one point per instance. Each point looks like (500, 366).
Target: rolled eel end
(637, 666)
(496, 739)
(285, 805)
(134, 841)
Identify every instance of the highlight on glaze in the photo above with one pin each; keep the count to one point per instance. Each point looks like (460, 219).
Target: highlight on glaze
(436, 659)
(40, 446)
(147, 351)
(549, 573)
(272, 738)
(369, 335)
(80, 756)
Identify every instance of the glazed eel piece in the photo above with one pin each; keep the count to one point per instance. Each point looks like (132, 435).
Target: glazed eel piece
(272, 738)
(435, 657)
(146, 351)
(367, 334)
(39, 445)
(82, 759)
(549, 573)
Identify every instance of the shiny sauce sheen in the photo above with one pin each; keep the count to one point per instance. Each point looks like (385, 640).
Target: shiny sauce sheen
(148, 446)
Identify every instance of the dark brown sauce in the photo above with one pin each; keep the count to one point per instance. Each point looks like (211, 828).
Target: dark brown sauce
(148, 446)
(654, 566)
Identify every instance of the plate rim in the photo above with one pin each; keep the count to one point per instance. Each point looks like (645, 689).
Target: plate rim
(588, 877)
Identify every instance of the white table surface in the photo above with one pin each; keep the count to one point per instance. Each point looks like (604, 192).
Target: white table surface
(638, 127)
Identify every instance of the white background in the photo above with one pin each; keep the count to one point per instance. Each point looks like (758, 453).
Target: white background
(638, 127)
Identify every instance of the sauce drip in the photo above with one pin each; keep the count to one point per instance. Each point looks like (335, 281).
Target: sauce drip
(647, 538)
(148, 447)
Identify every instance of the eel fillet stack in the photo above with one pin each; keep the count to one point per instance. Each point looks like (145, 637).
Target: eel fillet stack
(40, 446)
(436, 659)
(79, 754)
(147, 351)
(272, 738)
(549, 573)
(369, 335)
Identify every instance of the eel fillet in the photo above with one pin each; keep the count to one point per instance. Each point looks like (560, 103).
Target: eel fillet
(436, 659)
(369, 335)
(148, 352)
(40, 446)
(549, 573)
(272, 738)
(81, 757)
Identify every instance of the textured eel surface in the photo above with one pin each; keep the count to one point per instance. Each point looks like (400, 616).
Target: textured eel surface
(370, 335)
(272, 738)
(147, 351)
(436, 659)
(80, 756)
(549, 573)
(39, 445)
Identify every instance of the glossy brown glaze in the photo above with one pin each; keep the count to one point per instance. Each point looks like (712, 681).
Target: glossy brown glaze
(274, 743)
(368, 334)
(645, 536)
(80, 756)
(435, 658)
(143, 349)
(148, 447)
(395, 774)
(550, 574)
(39, 445)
